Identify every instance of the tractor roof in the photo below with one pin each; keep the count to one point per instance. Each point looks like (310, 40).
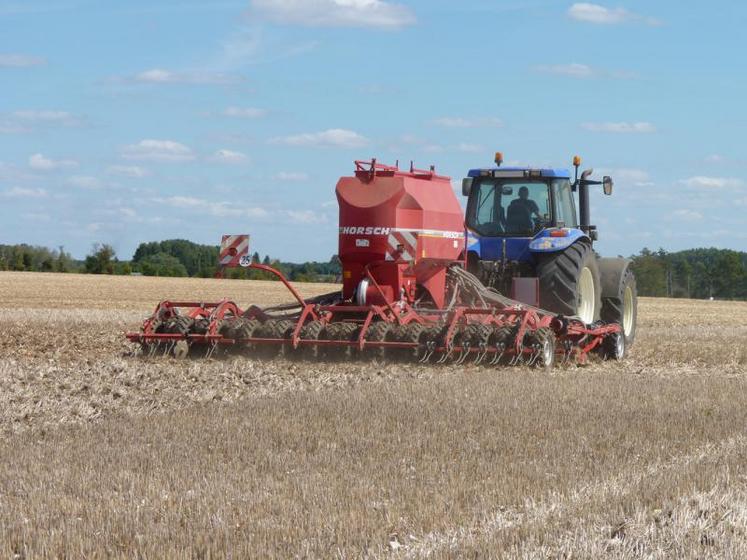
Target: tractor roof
(519, 172)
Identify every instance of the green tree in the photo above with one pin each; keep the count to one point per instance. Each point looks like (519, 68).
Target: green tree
(651, 273)
(162, 264)
(18, 261)
(101, 260)
(63, 262)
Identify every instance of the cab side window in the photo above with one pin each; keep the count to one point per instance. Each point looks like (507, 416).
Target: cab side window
(565, 209)
(488, 213)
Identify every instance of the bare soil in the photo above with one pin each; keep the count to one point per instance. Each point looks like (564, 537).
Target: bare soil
(113, 455)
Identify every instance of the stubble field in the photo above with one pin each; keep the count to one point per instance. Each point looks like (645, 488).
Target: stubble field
(110, 455)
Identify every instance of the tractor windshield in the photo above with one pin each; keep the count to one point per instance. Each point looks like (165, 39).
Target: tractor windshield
(509, 206)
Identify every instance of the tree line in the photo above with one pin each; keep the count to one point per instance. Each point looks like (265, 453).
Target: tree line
(173, 257)
(695, 273)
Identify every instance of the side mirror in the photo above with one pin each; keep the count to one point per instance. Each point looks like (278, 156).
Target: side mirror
(607, 185)
(467, 186)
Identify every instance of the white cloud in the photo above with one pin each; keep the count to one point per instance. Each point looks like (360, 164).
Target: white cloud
(335, 13)
(244, 112)
(628, 176)
(291, 176)
(28, 120)
(132, 171)
(470, 148)
(306, 217)
(62, 118)
(461, 122)
(36, 216)
(10, 127)
(621, 127)
(574, 70)
(577, 70)
(229, 156)
(21, 192)
(9, 60)
(712, 182)
(432, 148)
(84, 182)
(594, 13)
(161, 76)
(42, 163)
(158, 150)
(334, 138)
(689, 215)
(218, 209)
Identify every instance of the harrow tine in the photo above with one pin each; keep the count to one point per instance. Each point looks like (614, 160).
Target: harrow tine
(534, 356)
(430, 346)
(500, 349)
(481, 354)
(463, 356)
(211, 350)
(446, 355)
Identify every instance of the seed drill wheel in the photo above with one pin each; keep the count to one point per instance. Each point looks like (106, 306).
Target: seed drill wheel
(181, 349)
(344, 332)
(478, 335)
(282, 330)
(413, 332)
(614, 346)
(378, 332)
(246, 329)
(502, 339)
(542, 343)
(179, 324)
(311, 331)
(273, 329)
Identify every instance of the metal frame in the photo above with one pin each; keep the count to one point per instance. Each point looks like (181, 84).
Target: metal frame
(573, 338)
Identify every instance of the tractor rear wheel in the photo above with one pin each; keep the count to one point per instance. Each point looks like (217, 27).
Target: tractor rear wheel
(622, 308)
(570, 284)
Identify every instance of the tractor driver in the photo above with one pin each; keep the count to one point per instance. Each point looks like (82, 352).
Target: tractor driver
(520, 211)
(527, 202)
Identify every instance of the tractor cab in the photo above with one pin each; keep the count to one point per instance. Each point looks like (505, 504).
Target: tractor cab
(516, 202)
(523, 231)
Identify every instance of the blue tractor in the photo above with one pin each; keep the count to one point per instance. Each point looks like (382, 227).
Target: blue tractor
(525, 238)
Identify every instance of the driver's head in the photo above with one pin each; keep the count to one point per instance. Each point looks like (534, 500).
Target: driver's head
(523, 193)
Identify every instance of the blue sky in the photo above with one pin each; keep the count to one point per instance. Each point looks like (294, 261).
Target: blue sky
(123, 122)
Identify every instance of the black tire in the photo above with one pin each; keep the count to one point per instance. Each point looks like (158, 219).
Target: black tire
(613, 308)
(544, 341)
(559, 275)
(614, 347)
(378, 332)
(342, 331)
(311, 331)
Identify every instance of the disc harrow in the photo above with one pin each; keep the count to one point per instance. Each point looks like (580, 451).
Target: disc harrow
(481, 327)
